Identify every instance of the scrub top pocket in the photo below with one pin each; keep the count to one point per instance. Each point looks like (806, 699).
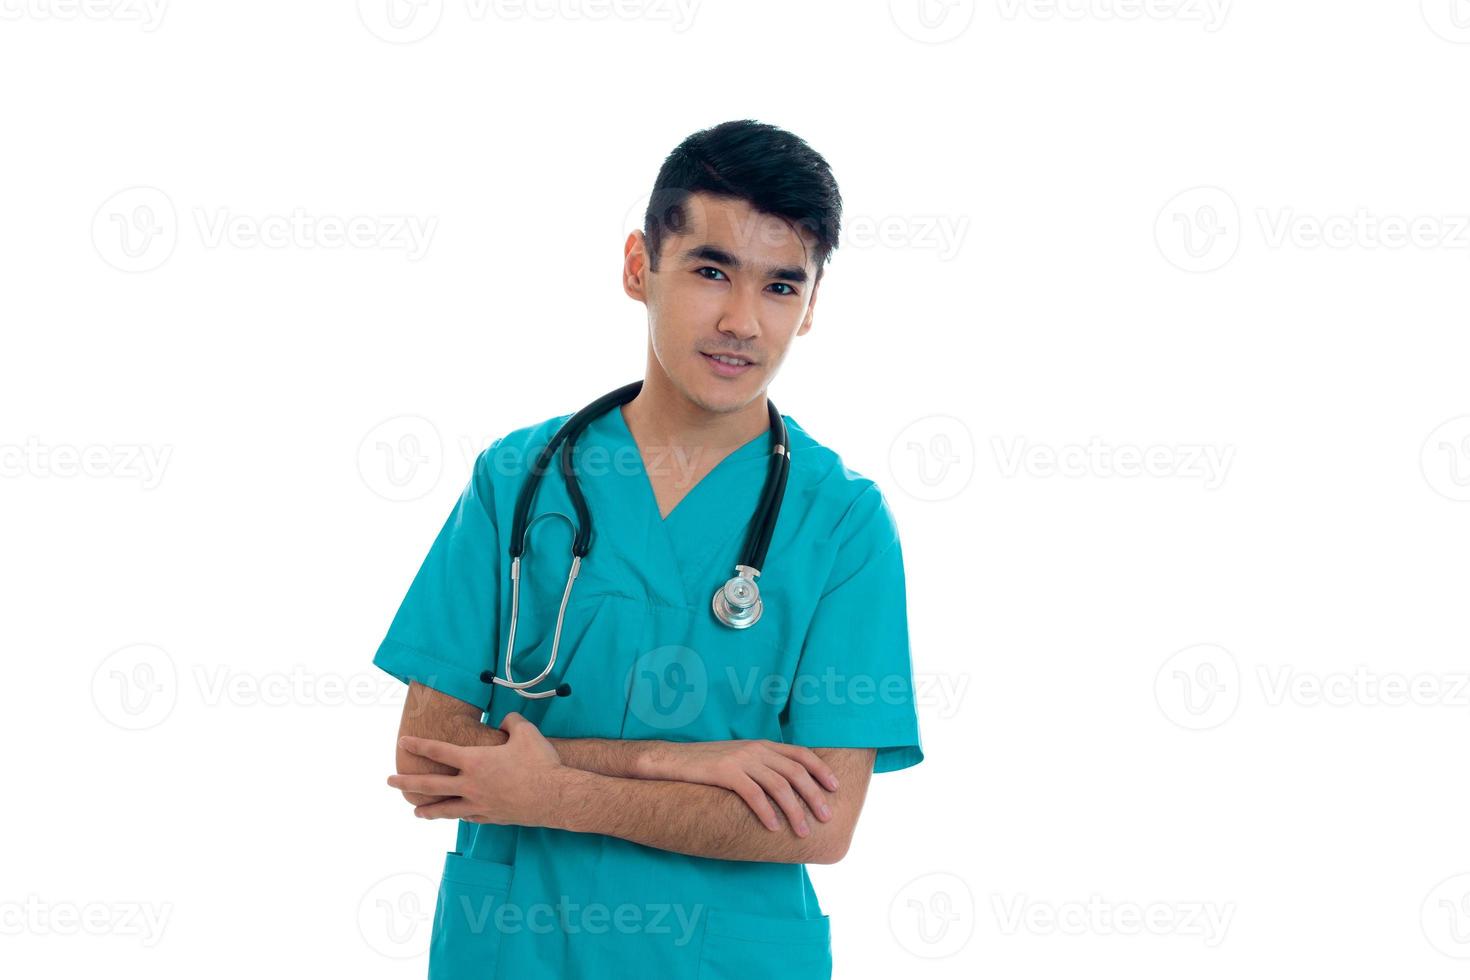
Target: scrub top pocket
(739, 946)
(466, 940)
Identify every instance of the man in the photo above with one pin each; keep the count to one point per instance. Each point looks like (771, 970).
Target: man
(656, 821)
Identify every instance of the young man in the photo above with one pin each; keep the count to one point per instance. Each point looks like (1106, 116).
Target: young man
(656, 820)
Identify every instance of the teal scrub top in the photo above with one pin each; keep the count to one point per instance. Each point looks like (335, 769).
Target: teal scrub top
(827, 666)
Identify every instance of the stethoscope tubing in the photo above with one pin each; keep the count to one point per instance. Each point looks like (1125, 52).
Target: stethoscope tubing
(753, 556)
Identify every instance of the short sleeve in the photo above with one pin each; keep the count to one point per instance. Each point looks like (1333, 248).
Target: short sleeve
(444, 631)
(854, 686)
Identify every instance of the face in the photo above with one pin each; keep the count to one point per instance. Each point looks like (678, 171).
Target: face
(735, 282)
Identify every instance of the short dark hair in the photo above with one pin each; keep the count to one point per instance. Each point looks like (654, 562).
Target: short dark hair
(773, 171)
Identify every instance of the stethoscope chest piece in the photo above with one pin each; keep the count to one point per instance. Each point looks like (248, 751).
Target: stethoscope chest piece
(737, 603)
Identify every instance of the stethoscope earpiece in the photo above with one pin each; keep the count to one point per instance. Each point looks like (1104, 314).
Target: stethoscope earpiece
(562, 690)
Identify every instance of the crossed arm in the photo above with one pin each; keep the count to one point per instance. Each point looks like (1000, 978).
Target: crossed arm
(709, 799)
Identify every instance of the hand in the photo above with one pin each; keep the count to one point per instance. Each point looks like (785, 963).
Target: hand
(502, 784)
(757, 771)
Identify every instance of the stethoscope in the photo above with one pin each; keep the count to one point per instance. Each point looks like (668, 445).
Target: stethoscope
(736, 604)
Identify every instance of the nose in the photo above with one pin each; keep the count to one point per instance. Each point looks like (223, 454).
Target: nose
(739, 317)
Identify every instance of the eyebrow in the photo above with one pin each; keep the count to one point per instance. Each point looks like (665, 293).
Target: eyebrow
(713, 253)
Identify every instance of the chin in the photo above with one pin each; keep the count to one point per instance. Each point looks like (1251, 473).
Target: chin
(721, 396)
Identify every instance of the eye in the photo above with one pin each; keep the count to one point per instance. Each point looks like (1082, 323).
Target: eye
(785, 286)
(708, 268)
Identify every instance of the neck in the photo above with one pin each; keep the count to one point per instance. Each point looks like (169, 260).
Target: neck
(662, 415)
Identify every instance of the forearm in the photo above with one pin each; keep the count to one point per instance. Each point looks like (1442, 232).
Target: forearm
(431, 714)
(689, 818)
(726, 811)
(609, 756)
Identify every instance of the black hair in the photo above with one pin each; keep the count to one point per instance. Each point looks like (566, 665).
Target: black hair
(773, 171)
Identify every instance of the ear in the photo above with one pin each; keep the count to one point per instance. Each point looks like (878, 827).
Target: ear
(635, 266)
(811, 307)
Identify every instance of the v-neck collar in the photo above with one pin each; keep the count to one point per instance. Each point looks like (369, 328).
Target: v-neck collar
(625, 434)
(680, 558)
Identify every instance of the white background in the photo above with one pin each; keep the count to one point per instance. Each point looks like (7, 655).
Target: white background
(1227, 698)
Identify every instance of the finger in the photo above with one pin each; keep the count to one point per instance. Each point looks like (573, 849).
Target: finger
(513, 722)
(426, 783)
(814, 763)
(803, 783)
(778, 789)
(424, 799)
(429, 748)
(760, 804)
(456, 808)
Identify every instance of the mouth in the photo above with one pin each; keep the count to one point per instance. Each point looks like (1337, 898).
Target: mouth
(728, 365)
